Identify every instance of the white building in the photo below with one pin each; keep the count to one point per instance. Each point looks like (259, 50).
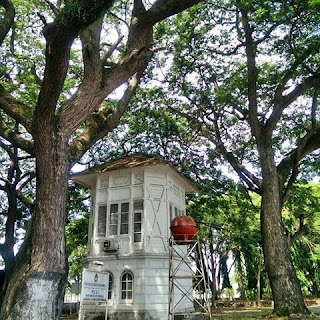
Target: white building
(133, 202)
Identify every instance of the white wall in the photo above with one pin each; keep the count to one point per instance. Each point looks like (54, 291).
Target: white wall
(160, 187)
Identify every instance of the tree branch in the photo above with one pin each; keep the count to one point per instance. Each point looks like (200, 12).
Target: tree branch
(309, 143)
(303, 57)
(252, 74)
(252, 182)
(281, 102)
(163, 9)
(6, 147)
(267, 34)
(15, 109)
(302, 231)
(59, 36)
(54, 9)
(31, 175)
(82, 104)
(8, 19)
(36, 77)
(100, 124)
(90, 39)
(15, 138)
(111, 50)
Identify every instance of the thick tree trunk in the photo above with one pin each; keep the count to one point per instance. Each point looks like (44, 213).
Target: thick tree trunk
(285, 286)
(37, 288)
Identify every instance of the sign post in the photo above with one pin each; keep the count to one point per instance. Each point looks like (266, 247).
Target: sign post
(94, 292)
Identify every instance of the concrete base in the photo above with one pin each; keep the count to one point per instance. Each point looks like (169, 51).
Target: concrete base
(134, 315)
(94, 315)
(137, 315)
(121, 315)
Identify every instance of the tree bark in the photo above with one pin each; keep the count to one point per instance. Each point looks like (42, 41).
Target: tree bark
(37, 289)
(286, 290)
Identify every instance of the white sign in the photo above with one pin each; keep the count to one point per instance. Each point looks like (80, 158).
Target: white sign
(94, 285)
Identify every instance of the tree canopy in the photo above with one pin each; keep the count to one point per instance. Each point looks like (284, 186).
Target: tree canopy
(244, 76)
(227, 80)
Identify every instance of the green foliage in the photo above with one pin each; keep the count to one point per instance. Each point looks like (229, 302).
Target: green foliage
(303, 212)
(76, 242)
(77, 229)
(75, 262)
(77, 203)
(80, 12)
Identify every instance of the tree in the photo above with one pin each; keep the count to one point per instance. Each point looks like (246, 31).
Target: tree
(77, 245)
(15, 178)
(304, 234)
(245, 74)
(58, 123)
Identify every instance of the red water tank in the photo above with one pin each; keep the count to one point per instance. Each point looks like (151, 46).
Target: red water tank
(183, 228)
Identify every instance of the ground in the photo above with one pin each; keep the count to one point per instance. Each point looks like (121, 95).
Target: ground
(261, 314)
(244, 314)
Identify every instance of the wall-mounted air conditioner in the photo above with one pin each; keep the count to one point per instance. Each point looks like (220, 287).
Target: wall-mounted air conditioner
(110, 245)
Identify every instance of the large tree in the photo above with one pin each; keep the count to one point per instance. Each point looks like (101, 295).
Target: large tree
(61, 111)
(246, 76)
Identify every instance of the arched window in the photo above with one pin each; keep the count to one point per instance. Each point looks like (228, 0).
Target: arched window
(110, 286)
(127, 287)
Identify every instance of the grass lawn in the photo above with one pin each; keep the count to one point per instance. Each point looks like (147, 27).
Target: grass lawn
(260, 313)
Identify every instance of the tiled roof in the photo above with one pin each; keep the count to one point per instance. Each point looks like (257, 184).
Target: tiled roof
(132, 161)
(137, 160)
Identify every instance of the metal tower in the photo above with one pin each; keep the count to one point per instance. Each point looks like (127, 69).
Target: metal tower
(186, 267)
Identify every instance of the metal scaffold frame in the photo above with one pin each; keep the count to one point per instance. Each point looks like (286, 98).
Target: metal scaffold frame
(182, 254)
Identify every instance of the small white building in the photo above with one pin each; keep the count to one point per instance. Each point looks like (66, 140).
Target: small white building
(134, 200)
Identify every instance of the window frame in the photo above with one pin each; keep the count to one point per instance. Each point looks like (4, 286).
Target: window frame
(119, 217)
(126, 291)
(99, 214)
(135, 222)
(110, 292)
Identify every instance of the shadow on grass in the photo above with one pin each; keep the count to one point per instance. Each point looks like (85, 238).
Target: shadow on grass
(261, 314)
(247, 314)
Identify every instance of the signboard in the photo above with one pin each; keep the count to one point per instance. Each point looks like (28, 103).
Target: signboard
(94, 285)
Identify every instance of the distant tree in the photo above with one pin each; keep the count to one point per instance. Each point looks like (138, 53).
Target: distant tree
(302, 218)
(245, 75)
(76, 241)
(16, 177)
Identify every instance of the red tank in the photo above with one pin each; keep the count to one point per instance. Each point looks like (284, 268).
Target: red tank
(183, 228)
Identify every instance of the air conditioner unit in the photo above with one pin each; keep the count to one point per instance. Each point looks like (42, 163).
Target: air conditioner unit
(110, 245)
